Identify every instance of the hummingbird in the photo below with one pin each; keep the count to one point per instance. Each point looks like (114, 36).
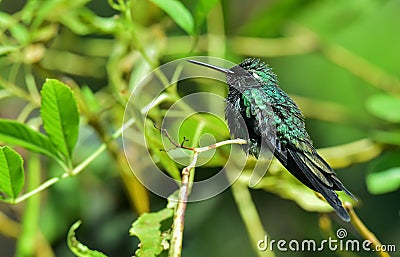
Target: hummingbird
(257, 108)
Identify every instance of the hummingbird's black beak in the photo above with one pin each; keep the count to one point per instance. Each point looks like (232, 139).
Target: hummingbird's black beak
(220, 69)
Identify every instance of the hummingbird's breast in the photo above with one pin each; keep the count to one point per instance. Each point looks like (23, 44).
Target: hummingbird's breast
(266, 113)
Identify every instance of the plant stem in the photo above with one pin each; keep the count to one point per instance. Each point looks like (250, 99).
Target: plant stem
(184, 191)
(41, 188)
(76, 170)
(250, 217)
(364, 231)
(27, 240)
(179, 217)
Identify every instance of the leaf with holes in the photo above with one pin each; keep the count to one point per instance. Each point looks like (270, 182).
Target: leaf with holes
(149, 230)
(11, 173)
(60, 116)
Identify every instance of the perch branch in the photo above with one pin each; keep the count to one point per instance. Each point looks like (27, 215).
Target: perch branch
(179, 217)
(364, 231)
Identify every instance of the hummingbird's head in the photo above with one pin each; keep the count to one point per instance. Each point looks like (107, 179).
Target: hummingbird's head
(249, 73)
(260, 71)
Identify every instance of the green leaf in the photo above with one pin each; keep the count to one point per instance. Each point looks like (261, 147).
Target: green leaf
(6, 20)
(12, 132)
(60, 116)
(11, 173)
(20, 32)
(178, 12)
(384, 106)
(203, 7)
(384, 181)
(148, 229)
(288, 187)
(384, 173)
(90, 99)
(77, 247)
(388, 137)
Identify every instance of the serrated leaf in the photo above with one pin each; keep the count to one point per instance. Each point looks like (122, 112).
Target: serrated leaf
(16, 133)
(178, 12)
(77, 247)
(11, 172)
(384, 106)
(147, 229)
(384, 181)
(60, 116)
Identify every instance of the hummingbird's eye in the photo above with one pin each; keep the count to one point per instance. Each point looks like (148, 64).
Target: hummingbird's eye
(255, 75)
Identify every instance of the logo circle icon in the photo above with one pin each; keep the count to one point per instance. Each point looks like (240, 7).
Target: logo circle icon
(341, 233)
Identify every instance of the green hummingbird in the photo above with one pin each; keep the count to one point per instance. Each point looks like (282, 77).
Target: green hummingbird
(260, 111)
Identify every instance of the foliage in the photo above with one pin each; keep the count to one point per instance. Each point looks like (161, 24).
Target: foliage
(61, 120)
(60, 116)
(78, 248)
(11, 173)
(148, 229)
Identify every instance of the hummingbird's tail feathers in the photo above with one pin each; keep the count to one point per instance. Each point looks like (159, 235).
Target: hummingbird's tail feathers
(326, 174)
(309, 173)
(342, 187)
(317, 166)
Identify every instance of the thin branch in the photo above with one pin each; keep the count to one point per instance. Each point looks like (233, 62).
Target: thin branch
(184, 191)
(364, 231)
(41, 188)
(237, 141)
(179, 217)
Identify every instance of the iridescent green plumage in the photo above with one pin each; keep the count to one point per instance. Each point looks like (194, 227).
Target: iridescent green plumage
(257, 109)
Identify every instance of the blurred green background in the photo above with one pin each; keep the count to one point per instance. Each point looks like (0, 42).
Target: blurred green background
(338, 59)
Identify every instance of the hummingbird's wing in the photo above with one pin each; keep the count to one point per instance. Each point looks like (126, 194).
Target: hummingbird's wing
(281, 128)
(238, 126)
(325, 182)
(315, 163)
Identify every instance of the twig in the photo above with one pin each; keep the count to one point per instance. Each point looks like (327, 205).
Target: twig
(364, 231)
(177, 145)
(184, 191)
(179, 217)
